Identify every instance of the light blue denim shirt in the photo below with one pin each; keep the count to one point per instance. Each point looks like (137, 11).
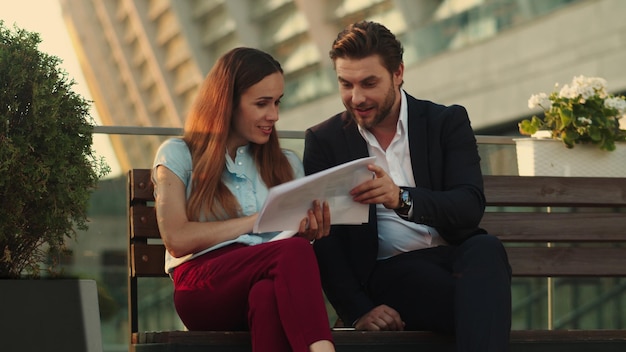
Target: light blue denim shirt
(240, 176)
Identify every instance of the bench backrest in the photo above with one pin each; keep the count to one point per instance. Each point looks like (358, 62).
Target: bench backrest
(552, 227)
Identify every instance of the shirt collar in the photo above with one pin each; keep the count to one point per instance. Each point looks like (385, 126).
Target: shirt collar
(404, 113)
(243, 163)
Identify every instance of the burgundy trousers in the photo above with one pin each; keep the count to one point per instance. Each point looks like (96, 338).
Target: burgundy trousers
(272, 289)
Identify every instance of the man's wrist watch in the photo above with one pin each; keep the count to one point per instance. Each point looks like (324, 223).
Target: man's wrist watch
(405, 202)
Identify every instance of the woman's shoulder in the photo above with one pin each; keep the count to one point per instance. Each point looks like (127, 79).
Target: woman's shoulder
(292, 156)
(174, 146)
(294, 161)
(173, 152)
(289, 153)
(177, 143)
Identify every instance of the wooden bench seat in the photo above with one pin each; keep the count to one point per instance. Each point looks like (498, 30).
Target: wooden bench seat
(387, 341)
(551, 227)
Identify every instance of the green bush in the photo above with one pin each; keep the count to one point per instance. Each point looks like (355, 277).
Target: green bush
(47, 166)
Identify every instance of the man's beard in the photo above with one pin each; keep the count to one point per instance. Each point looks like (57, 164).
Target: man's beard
(382, 111)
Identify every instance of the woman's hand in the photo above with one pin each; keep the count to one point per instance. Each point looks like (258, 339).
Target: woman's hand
(317, 222)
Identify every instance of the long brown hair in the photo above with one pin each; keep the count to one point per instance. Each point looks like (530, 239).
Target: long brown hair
(208, 125)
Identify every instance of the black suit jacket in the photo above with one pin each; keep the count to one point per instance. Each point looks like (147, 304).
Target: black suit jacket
(448, 194)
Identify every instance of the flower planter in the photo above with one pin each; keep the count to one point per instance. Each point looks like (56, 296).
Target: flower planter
(549, 157)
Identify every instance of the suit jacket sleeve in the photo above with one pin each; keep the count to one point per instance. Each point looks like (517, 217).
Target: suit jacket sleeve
(446, 166)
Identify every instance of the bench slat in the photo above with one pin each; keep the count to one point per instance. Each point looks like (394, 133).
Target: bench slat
(567, 261)
(499, 190)
(525, 261)
(509, 227)
(143, 222)
(353, 337)
(555, 191)
(556, 227)
(140, 187)
(383, 341)
(148, 260)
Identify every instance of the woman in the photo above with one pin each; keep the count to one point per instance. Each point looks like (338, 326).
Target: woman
(209, 186)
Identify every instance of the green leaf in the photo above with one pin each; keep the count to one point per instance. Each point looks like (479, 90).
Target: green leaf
(527, 128)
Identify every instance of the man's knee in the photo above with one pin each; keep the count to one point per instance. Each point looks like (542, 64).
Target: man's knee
(484, 244)
(485, 250)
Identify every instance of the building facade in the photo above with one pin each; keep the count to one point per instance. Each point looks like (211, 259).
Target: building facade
(144, 59)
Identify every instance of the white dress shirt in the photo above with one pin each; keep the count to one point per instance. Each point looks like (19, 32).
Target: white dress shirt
(396, 235)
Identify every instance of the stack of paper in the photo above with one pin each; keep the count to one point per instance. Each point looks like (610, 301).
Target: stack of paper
(287, 204)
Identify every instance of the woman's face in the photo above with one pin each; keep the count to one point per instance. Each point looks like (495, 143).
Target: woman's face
(254, 118)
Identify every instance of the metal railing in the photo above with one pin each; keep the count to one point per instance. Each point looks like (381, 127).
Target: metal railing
(177, 131)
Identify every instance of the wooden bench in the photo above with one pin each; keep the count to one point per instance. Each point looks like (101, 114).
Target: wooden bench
(561, 227)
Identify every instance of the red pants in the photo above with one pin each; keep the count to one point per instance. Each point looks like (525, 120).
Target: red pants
(273, 289)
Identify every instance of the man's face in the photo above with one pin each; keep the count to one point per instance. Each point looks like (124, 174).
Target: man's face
(368, 91)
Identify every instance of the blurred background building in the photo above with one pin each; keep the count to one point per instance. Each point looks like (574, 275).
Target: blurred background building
(143, 61)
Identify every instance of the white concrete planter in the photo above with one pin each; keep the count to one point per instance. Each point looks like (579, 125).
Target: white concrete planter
(550, 157)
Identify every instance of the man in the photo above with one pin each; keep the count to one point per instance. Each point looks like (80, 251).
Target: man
(421, 262)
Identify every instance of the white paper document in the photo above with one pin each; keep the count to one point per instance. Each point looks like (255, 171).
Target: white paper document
(287, 204)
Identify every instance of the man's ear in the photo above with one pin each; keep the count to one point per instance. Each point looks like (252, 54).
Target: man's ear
(398, 76)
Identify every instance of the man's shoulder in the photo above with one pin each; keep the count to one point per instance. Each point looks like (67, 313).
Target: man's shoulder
(430, 105)
(427, 105)
(333, 123)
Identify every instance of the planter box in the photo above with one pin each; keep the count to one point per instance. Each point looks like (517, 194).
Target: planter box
(550, 157)
(49, 316)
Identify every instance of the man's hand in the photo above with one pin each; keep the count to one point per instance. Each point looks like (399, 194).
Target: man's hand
(381, 318)
(379, 190)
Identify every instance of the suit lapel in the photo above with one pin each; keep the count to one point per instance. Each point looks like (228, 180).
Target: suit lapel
(356, 145)
(417, 126)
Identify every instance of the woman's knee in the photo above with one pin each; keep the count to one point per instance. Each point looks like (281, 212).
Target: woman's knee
(262, 294)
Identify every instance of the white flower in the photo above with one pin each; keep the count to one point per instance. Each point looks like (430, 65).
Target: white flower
(539, 100)
(597, 114)
(585, 88)
(569, 92)
(616, 103)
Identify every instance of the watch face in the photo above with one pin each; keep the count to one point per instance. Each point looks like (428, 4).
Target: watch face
(405, 203)
(406, 199)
